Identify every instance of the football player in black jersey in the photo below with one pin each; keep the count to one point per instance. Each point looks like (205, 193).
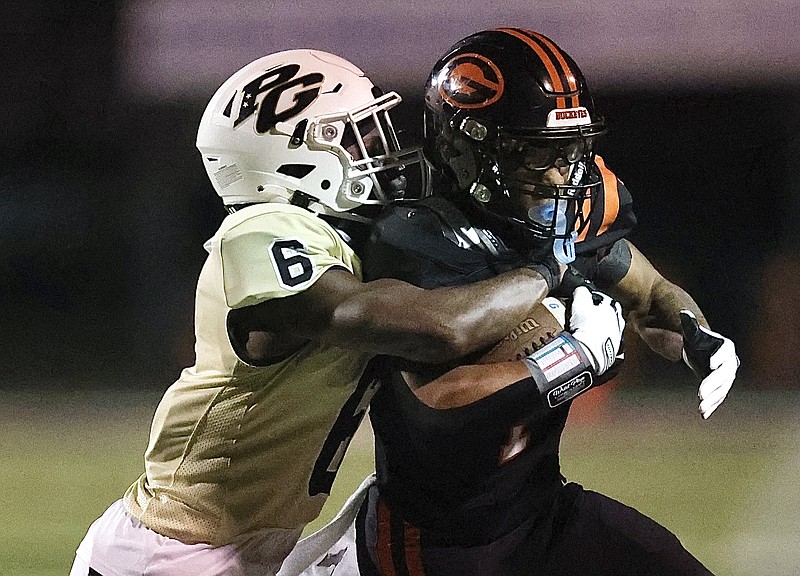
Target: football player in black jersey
(472, 486)
(510, 129)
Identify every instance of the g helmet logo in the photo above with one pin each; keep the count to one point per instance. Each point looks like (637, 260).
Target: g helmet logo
(274, 83)
(471, 81)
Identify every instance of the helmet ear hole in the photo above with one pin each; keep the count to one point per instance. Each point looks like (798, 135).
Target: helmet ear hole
(463, 162)
(298, 171)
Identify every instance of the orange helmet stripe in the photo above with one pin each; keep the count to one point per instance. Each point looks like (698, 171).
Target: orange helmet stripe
(536, 41)
(549, 65)
(559, 54)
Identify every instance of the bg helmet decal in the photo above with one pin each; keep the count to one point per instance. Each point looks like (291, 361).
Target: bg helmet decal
(471, 81)
(277, 83)
(307, 122)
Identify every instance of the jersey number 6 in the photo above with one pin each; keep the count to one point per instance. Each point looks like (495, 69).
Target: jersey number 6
(293, 267)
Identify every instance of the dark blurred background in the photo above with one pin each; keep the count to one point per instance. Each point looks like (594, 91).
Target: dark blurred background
(104, 204)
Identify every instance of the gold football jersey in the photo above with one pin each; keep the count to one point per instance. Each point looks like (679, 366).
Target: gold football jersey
(236, 448)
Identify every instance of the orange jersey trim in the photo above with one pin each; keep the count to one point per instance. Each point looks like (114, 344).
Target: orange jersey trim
(413, 550)
(610, 196)
(384, 540)
(610, 200)
(585, 209)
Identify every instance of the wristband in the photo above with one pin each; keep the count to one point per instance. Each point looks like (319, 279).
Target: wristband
(561, 369)
(547, 273)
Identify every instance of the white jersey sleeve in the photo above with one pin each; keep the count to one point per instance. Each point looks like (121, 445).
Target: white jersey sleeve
(275, 251)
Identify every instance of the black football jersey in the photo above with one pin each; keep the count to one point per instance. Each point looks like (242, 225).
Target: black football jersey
(468, 475)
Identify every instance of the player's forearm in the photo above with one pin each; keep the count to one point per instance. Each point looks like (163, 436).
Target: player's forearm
(467, 384)
(439, 324)
(669, 299)
(652, 303)
(483, 313)
(658, 324)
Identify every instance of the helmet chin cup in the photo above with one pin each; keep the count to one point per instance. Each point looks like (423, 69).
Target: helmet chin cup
(564, 248)
(552, 214)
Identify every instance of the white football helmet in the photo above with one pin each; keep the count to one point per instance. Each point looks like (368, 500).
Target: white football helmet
(303, 121)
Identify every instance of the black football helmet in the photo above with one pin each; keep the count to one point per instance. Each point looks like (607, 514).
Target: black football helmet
(505, 108)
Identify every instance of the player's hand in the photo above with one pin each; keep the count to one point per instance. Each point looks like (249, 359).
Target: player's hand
(712, 357)
(596, 322)
(571, 280)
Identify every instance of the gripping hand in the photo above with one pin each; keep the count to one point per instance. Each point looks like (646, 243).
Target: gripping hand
(572, 362)
(569, 281)
(712, 357)
(596, 322)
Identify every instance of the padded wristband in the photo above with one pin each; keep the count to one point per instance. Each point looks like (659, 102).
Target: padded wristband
(550, 276)
(561, 369)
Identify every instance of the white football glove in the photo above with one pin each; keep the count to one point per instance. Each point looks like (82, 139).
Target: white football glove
(712, 357)
(596, 322)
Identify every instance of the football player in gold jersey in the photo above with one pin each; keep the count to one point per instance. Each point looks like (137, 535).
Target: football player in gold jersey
(244, 446)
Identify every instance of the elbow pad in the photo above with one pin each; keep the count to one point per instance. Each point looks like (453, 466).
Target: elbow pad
(562, 371)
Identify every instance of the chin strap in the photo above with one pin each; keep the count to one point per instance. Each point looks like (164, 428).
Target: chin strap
(302, 199)
(563, 245)
(564, 249)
